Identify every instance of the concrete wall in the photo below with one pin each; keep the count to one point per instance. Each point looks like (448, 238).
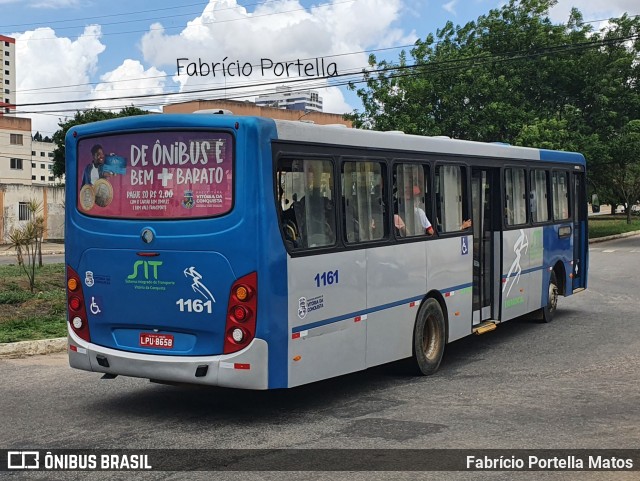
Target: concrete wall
(51, 199)
(249, 108)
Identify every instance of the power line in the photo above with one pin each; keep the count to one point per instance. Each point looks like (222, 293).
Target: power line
(213, 22)
(481, 58)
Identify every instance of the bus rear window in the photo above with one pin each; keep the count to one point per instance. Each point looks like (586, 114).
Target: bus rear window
(153, 175)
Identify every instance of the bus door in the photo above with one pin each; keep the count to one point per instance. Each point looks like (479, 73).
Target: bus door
(580, 242)
(484, 245)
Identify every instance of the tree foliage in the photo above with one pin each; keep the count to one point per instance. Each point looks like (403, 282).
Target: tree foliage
(93, 115)
(27, 238)
(514, 76)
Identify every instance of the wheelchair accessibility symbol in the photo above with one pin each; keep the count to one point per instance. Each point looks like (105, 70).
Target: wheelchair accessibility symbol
(464, 246)
(95, 309)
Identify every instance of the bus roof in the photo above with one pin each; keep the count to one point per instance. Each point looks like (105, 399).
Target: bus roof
(333, 134)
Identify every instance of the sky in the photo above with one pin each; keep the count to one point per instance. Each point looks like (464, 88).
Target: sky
(100, 53)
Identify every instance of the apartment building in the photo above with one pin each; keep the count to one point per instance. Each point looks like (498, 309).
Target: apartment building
(287, 98)
(42, 163)
(7, 75)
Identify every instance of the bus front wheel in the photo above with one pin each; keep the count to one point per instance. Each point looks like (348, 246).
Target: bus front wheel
(429, 337)
(549, 310)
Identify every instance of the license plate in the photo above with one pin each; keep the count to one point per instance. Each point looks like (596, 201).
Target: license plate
(160, 341)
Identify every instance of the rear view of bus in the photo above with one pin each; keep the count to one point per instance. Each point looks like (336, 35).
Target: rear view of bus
(162, 266)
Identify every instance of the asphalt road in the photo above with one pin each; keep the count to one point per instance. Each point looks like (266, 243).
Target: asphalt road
(574, 383)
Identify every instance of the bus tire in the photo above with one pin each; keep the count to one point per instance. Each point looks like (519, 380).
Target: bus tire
(429, 337)
(549, 311)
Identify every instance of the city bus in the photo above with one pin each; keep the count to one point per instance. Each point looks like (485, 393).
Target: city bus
(255, 253)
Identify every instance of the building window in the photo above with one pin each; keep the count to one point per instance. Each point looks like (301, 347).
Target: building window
(33, 177)
(6, 62)
(24, 212)
(16, 164)
(6, 53)
(51, 154)
(50, 167)
(7, 110)
(6, 44)
(6, 82)
(51, 178)
(33, 153)
(42, 177)
(33, 165)
(15, 139)
(6, 72)
(42, 166)
(41, 154)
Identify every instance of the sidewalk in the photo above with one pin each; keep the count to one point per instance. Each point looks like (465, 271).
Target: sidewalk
(48, 248)
(48, 346)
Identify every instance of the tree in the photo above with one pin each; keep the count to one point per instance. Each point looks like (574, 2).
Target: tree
(92, 115)
(27, 241)
(514, 76)
(37, 137)
(625, 172)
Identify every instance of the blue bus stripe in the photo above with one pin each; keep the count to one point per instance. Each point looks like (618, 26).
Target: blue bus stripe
(526, 271)
(382, 307)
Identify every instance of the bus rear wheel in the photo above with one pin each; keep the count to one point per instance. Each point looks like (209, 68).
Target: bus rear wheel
(429, 337)
(549, 311)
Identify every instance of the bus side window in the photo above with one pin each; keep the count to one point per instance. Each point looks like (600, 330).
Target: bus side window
(307, 215)
(451, 198)
(363, 201)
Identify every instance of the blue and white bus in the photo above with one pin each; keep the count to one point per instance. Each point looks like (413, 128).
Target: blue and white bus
(256, 253)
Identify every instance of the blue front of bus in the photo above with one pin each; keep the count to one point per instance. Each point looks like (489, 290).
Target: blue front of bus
(162, 258)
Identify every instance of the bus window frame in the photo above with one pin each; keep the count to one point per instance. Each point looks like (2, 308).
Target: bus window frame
(427, 170)
(466, 194)
(549, 220)
(384, 162)
(567, 174)
(503, 197)
(293, 155)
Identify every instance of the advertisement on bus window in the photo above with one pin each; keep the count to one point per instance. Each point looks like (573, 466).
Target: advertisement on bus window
(156, 175)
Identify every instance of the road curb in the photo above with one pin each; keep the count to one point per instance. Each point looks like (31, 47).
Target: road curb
(612, 237)
(31, 348)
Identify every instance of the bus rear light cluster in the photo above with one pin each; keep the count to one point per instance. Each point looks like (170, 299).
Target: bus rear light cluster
(240, 328)
(76, 306)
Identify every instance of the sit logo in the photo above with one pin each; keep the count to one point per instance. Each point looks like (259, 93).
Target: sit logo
(145, 269)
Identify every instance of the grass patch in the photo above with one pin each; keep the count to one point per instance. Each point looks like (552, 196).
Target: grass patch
(28, 316)
(605, 225)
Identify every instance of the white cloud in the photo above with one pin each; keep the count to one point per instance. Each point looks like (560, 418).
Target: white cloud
(594, 9)
(130, 78)
(45, 62)
(280, 31)
(450, 7)
(54, 3)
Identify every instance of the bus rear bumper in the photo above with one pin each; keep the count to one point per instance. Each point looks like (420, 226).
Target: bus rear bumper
(246, 369)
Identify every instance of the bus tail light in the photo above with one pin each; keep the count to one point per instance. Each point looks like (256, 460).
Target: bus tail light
(240, 328)
(77, 313)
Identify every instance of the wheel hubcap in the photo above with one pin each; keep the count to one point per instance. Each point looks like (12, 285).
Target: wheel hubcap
(553, 297)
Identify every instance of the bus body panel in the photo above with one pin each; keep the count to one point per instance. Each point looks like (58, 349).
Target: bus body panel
(115, 244)
(179, 293)
(450, 264)
(396, 283)
(326, 294)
